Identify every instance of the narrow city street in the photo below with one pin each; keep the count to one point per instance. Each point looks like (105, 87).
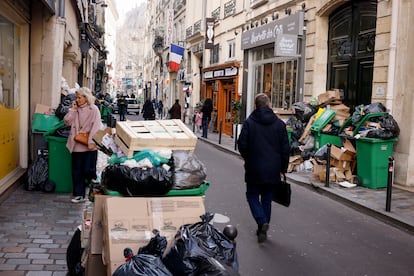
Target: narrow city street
(314, 236)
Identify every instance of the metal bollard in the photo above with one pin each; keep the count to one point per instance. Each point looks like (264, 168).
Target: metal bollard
(389, 184)
(328, 165)
(221, 127)
(235, 136)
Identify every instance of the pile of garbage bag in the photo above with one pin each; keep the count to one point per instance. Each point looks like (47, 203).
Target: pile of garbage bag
(197, 249)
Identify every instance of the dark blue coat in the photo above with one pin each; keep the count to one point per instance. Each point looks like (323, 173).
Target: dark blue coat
(263, 143)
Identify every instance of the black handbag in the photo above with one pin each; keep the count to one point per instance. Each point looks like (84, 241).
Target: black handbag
(282, 193)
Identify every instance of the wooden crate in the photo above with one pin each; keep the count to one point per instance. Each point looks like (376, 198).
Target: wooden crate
(134, 136)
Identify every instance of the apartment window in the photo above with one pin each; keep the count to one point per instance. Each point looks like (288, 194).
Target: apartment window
(231, 46)
(214, 54)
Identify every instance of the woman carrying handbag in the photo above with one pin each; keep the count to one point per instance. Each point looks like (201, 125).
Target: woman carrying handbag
(85, 120)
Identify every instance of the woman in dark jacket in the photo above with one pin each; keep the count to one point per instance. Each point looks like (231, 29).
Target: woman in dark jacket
(263, 143)
(148, 111)
(206, 110)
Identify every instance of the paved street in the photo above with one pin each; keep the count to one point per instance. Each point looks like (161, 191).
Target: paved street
(316, 235)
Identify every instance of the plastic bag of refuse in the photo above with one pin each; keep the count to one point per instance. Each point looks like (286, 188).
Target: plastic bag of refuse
(201, 249)
(189, 171)
(137, 181)
(148, 260)
(322, 153)
(38, 173)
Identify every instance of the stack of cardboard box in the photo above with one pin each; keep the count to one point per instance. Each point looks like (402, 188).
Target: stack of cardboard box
(121, 222)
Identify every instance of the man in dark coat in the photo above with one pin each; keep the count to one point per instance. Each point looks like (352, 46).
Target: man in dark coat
(263, 143)
(175, 110)
(148, 111)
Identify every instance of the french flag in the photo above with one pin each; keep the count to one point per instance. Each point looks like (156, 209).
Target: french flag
(176, 55)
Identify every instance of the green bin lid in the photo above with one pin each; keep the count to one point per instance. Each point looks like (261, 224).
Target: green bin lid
(376, 140)
(323, 120)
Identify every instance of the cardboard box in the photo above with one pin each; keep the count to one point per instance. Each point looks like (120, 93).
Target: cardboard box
(44, 109)
(86, 227)
(94, 265)
(129, 222)
(342, 153)
(97, 230)
(332, 175)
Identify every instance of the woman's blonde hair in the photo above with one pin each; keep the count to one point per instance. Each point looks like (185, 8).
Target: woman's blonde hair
(85, 91)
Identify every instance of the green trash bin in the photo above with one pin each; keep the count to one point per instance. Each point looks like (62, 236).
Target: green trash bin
(372, 161)
(60, 164)
(322, 139)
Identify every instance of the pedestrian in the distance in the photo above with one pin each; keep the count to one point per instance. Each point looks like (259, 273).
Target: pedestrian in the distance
(175, 110)
(206, 109)
(83, 116)
(198, 118)
(263, 144)
(148, 111)
(160, 108)
(122, 107)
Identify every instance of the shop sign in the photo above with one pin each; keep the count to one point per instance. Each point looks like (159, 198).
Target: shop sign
(286, 45)
(267, 34)
(209, 40)
(226, 72)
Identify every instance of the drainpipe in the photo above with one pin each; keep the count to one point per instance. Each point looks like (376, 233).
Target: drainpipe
(392, 56)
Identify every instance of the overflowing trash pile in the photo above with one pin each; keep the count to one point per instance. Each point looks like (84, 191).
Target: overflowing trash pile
(326, 120)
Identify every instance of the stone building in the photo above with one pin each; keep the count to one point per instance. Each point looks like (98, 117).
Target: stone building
(42, 42)
(295, 50)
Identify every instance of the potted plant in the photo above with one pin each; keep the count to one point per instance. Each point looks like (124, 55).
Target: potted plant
(236, 107)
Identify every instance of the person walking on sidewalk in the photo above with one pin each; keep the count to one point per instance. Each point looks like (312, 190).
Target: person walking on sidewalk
(83, 116)
(122, 107)
(206, 109)
(175, 110)
(148, 111)
(263, 144)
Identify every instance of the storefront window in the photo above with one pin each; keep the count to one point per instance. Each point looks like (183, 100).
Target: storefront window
(276, 77)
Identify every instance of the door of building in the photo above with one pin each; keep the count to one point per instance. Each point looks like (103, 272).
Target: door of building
(351, 51)
(229, 94)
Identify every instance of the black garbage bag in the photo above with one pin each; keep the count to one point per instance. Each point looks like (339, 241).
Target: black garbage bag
(38, 172)
(74, 255)
(62, 131)
(65, 104)
(389, 128)
(156, 246)
(137, 181)
(358, 114)
(147, 261)
(304, 111)
(142, 265)
(294, 148)
(189, 171)
(196, 245)
(374, 108)
(322, 153)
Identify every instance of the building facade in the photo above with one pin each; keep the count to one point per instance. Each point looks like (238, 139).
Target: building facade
(41, 42)
(295, 50)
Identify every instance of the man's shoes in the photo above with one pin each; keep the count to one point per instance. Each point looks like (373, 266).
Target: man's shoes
(78, 199)
(262, 232)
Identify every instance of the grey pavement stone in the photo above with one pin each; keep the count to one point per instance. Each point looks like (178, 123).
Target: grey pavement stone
(38, 236)
(38, 273)
(42, 241)
(18, 261)
(44, 261)
(31, 267)
(59, 273)
(50, 245)
(11, 273)
(15, 255)
(10, 267)
(38, 256)
(36, 250)
(56, 267)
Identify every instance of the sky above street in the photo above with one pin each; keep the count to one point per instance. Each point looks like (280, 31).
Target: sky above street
(123, 6)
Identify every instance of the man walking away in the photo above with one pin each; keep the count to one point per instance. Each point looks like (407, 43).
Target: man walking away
(175, 110)
(263, 144)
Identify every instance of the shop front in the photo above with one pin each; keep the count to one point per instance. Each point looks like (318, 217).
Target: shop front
(273, 55)
(221, 85)
(13, 92)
